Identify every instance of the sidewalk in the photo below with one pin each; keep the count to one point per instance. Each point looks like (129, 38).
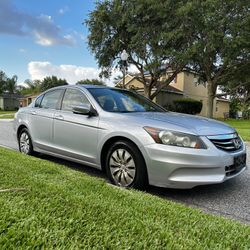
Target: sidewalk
(6, 120)
(7, 114)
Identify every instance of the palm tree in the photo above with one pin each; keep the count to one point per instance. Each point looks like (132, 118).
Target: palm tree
(34, 87)
(3, 79)
(10, 85)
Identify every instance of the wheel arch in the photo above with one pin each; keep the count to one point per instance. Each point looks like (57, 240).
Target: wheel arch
(20, 128)
(112, 140)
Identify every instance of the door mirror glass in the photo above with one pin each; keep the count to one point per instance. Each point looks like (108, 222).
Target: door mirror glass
(83, 109)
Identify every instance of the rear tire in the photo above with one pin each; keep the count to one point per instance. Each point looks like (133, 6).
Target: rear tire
(125, 166)
(25, 142)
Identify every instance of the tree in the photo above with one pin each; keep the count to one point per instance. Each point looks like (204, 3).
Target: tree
(8, 85)
(221, 37)
(52, 81)
(239, 91)
(33, 87)
(151, 32)
(92, 82)
(11, 85)
(3, 79)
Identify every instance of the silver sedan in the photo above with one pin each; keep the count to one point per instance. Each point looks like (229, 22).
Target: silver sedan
(133, 139)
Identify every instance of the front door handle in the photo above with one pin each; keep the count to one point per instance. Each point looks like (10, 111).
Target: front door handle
(33, 112)
(59, 117)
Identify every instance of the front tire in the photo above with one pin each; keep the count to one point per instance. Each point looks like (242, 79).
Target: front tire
(25, 142)
(125, 166)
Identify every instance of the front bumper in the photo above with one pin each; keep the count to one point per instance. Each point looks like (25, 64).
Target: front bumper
(177, 167)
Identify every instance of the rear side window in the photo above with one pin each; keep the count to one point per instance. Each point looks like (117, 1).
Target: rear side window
(73, 97)
(38, 101)
(51, 99)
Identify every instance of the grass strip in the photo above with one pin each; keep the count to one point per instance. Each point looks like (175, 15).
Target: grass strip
(242, 126)
(67, 209)
(6, 116)
(3, 112)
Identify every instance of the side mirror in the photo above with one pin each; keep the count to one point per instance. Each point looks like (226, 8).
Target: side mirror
(84, 109)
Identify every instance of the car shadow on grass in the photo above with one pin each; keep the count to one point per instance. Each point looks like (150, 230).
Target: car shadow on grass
(74, 166)
(210, 190)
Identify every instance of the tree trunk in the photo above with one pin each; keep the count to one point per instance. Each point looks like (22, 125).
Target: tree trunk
(210, 99)
(147, 91)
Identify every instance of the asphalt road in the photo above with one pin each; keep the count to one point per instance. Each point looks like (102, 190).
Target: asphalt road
(230, 199)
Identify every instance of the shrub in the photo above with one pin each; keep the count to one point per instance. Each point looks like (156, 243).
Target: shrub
(235, 105)
(188, 106)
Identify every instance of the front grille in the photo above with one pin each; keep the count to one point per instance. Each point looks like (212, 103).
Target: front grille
(229, 142)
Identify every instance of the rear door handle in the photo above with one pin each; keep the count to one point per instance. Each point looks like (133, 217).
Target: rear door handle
(59, 117)
(33, 112)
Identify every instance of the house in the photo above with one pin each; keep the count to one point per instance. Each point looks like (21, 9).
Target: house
(27, 100)
(185, 85)
(9, 101)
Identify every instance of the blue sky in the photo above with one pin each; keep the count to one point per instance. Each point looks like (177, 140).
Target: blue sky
(45, 37)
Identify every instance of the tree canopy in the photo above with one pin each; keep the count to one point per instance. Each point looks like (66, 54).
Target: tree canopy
(52, 81)
(33, 87)
(221, 32)
(211, 37)
(3, 79)
(38, 86)
(7, 84)
(91, 82)
(155, 41)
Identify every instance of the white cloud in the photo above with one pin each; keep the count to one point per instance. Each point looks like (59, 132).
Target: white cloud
(63, 10)
(72, 73)
(42, 39)
(22, 50)
(16, 22)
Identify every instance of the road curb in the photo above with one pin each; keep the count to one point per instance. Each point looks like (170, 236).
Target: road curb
(6, 120)
(4, 146)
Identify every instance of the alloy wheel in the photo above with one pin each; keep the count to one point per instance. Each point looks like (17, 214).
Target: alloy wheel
(122, 167)
(24, 143)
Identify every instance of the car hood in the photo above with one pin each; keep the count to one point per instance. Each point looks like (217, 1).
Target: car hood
(171, 120)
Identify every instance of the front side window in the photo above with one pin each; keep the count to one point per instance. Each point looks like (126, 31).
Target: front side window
(73, 98)
(51, 99)
(123, 101)
(38, 101)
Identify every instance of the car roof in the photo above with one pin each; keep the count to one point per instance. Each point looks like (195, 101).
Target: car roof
(91, 86)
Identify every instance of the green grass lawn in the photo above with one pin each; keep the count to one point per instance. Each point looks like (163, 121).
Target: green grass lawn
(6, 116)
(65, 209)
(242, 126)
(3, 112)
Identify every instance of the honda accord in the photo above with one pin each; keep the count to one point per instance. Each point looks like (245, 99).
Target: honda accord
(135, 141)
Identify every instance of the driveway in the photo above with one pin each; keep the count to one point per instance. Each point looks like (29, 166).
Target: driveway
(230, 199)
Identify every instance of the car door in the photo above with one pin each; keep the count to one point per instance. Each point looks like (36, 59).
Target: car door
(75, 135)
(41, 118)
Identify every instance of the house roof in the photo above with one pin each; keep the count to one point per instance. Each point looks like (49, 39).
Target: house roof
(7, 95)
(29, 96)
(120, 81)
(170, 88)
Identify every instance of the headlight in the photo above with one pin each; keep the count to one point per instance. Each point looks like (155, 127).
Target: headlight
(175, 138)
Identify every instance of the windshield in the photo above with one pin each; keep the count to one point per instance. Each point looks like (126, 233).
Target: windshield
(119, 100)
